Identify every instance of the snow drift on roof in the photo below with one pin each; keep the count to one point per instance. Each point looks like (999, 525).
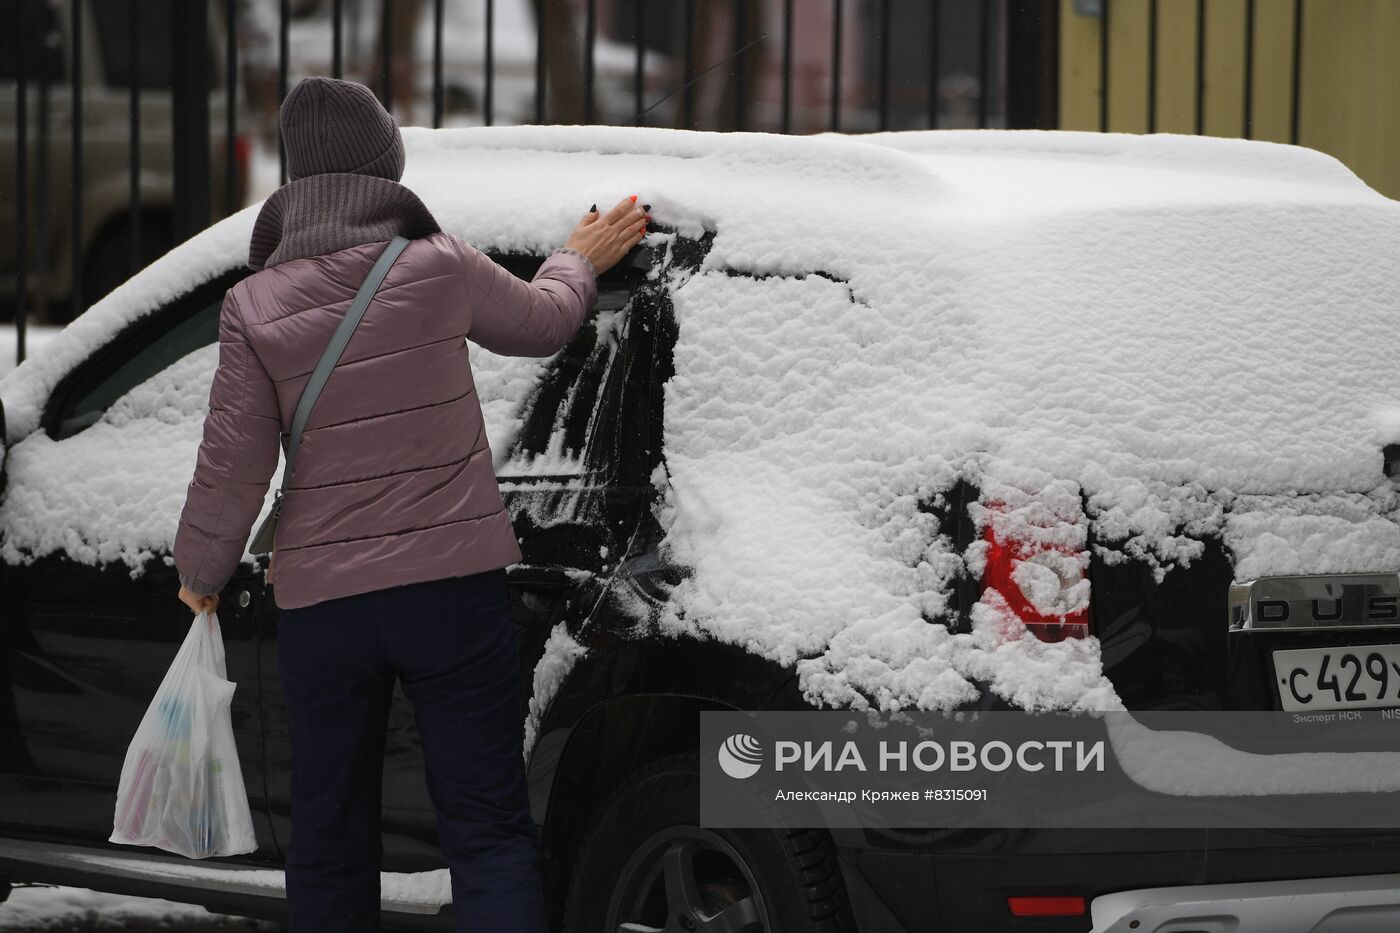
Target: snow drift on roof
(1175, 152)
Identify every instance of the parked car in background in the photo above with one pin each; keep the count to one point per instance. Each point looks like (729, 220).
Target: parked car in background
(108, 68)
(930, 420)
(513, 50)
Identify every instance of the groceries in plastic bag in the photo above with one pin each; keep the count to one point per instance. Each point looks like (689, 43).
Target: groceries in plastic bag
(181, 787)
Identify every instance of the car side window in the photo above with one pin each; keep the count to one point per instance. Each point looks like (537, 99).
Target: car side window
(567, 415)
(136, 355)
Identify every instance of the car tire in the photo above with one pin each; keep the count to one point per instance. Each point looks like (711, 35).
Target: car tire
(645, 863)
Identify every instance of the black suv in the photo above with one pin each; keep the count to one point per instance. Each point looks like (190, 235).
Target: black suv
(612, 703)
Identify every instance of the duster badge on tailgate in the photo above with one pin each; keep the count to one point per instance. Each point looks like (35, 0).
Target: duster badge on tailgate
(1346, 600)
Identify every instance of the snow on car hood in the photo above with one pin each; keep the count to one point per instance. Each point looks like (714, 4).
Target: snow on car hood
(1172, 336)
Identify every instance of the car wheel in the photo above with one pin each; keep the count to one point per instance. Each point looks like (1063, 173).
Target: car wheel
(647, 866)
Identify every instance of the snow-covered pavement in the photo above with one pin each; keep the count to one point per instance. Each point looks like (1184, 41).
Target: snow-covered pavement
(52, 909)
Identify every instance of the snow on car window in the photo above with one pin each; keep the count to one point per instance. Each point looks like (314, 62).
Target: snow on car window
(203, 258)
(108, 492)
(114, 490)
(502, 384)
(177, 393)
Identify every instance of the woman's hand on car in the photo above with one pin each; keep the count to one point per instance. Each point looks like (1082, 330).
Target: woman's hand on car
(606, 238)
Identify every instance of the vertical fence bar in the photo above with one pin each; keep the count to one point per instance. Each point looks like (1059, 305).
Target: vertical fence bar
(687, 89)
(133, 38)
(787, 67)
(638, 24)
(741, 38)
(1293, 128)
(75, 195)
(437, 63)
(1103, 66)
(540, 14)
(337, 38)
(490, 66)
(836, 18)
(386, 52)
(1152, 14)
(1200, 67)
(231, 194)
(984, 60)
(26, 58)
(933, 73)
(1249, 69)
(192, 154)
(590, 67)
(1032, 36)
(884, 89)
(42, 260)
(283, 54)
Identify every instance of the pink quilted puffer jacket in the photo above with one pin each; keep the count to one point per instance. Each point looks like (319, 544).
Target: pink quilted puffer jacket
(394, 481)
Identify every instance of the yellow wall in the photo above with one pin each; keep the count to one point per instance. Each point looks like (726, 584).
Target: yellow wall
(1350, 97)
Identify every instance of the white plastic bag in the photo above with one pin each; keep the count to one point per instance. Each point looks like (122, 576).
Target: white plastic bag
(181, 787)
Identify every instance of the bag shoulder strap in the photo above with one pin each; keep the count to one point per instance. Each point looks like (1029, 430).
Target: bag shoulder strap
(336, 347)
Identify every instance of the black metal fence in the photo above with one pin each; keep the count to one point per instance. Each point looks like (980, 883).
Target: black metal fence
(199, 82)
(1103, 9)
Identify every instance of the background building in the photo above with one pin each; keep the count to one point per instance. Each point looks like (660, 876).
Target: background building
(1318, 73)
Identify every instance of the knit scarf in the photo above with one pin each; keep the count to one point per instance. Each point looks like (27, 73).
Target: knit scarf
(324, 213)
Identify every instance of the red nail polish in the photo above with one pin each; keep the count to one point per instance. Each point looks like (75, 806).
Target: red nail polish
(633, 197)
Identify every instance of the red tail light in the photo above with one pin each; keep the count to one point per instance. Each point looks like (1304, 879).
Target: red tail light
(1039, 567)
(1055, 906)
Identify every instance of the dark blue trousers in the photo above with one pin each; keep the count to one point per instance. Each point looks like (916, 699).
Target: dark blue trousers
(454, 646)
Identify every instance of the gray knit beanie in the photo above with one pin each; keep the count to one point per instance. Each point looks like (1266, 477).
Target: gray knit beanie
(329, 125)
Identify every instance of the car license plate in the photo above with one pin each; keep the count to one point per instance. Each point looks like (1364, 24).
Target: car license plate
(1338, 678)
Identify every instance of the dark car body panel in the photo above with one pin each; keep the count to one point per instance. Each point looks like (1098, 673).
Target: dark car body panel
(86, 649)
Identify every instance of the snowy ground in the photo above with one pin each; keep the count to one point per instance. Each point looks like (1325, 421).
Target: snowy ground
(52, 909)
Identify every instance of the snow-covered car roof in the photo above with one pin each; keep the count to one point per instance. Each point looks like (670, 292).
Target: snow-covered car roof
(1162, 337)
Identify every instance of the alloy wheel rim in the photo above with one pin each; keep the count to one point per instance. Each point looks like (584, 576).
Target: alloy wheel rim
(686, 879)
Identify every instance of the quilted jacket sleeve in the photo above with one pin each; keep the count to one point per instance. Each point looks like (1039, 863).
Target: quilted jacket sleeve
(237, 458)
(536, 318)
